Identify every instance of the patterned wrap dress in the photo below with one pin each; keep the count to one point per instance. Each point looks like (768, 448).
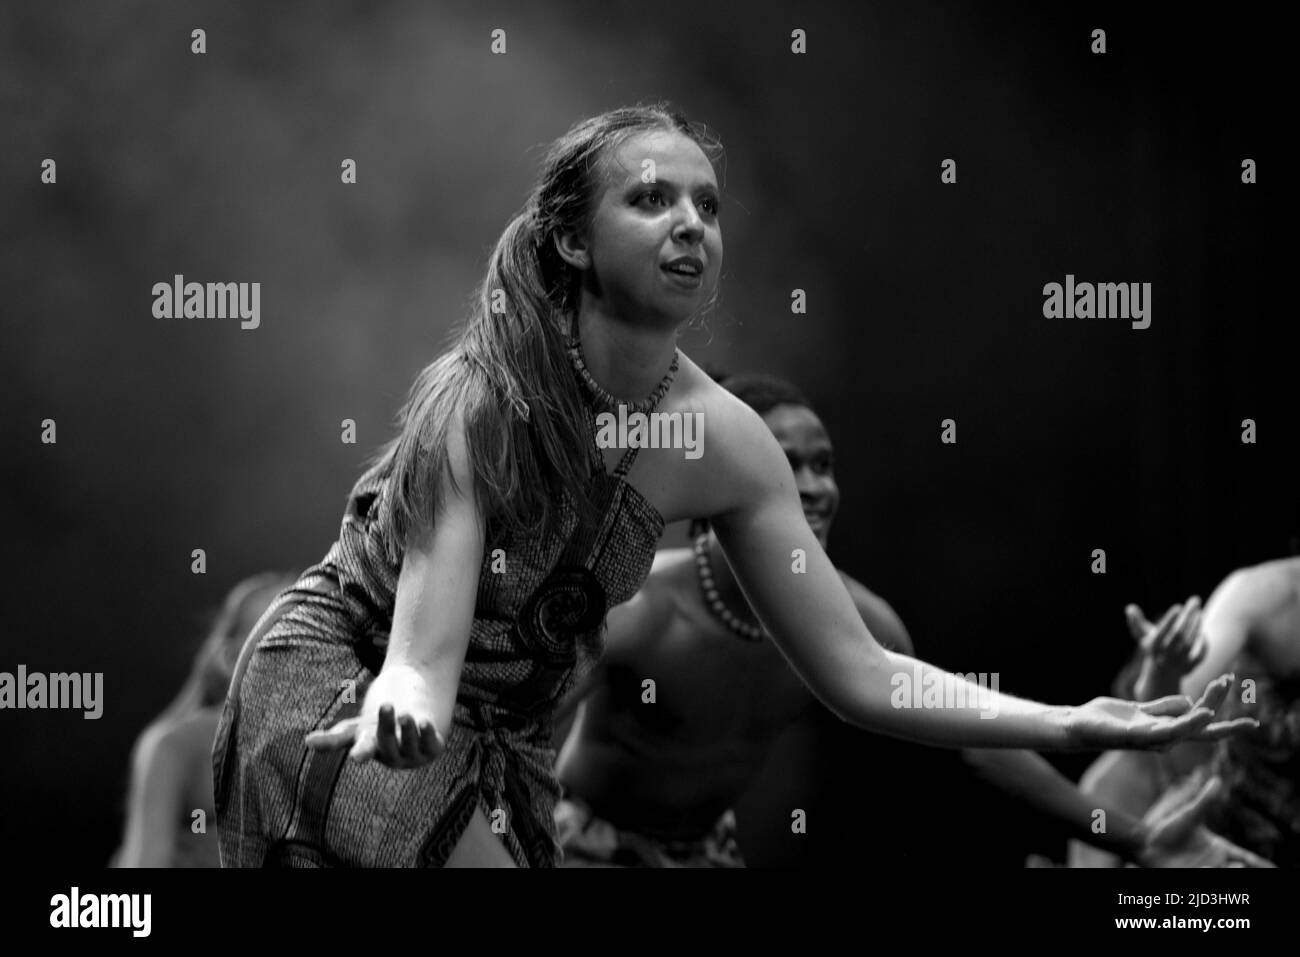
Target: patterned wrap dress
(537, 629)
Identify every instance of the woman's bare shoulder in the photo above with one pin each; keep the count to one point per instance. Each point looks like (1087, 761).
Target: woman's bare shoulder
(731, 426)
(696, 388)
(739, 459)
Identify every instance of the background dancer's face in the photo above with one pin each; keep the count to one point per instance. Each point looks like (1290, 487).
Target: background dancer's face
(243, 607)
(808, 447)
(638, 227)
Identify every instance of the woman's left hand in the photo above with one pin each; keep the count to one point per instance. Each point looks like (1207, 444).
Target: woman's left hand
(1113, 723)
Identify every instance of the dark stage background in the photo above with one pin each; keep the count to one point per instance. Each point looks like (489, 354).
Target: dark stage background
(924, 303)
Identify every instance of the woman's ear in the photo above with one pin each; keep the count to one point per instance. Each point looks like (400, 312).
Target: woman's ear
(573, 249)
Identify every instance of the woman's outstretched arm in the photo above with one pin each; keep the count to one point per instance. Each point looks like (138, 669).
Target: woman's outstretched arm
(407, 712)
(799, 597)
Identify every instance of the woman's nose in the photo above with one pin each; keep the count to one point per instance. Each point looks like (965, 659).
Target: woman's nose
(689, 225)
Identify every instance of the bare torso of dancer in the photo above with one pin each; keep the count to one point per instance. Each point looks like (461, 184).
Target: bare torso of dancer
(670, 768)
(1273, 638)
(1253, 619)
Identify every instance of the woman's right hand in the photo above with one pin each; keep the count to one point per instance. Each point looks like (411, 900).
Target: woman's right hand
(396, 725)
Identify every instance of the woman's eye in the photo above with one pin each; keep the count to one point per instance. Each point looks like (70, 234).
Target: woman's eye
(710, 206)
(650, 194)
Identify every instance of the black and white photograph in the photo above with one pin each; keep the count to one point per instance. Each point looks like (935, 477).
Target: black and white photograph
(853, 442)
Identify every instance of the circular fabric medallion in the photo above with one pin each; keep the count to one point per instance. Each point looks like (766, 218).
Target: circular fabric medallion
(570, 602)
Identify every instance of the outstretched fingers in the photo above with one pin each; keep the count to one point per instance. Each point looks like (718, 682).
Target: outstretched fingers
(1216, 692)
(1224, 729)
(421, 742)
(415, 743)
(340, 735)
(1172, 729)
(1155, 638)
(1196, 722)
(386, 744)
(1138, 626)
(1187, 618)
(397, 743)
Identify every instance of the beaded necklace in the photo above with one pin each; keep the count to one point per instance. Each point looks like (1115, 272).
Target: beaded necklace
(704, 571)
(600, 397)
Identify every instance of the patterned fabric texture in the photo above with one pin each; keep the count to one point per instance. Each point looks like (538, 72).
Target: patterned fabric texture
(537, 629)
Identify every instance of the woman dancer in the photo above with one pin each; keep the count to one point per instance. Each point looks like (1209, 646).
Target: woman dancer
(171, 765)
(480, 552)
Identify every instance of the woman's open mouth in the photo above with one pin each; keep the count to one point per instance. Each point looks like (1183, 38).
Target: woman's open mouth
(686, 271)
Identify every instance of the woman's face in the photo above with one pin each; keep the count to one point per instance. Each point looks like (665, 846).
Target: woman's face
(654, 245)
(804, 440)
